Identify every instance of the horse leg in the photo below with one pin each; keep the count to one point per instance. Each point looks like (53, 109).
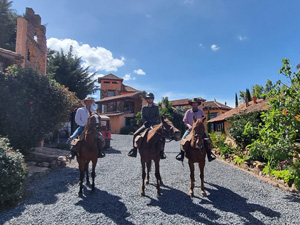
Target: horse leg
(192, 176)
(94, 163)
(158, 177)
(148, 171)
(201, 168)
(86, 169)
(143, 178)
(81, 177)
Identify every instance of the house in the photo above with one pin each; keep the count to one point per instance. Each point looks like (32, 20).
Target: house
(119, 102)
(31, 44)
(215, 108)
(220, 122)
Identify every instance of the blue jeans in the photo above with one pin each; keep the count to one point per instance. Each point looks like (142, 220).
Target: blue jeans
(77, 132)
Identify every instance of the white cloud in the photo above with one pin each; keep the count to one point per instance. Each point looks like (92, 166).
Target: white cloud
(139, 72)
(242, 38)
(128, 77)
(214, 47)
(97, 58)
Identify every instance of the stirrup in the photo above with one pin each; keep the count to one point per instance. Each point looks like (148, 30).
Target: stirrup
(180, 157)
(132, 152)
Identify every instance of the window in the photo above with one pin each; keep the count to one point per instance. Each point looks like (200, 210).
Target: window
(213, 115)
(129, 106)
(110, 93)
(115, 82)
(106, 82)
(129, 121)
(110, 107)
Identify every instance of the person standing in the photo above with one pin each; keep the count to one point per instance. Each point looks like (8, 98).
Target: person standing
(188, 120)
(150, 117)
(81, 118)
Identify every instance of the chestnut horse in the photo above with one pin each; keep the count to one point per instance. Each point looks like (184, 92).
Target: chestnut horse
(150, 150)
(196, 153)
(88, 151)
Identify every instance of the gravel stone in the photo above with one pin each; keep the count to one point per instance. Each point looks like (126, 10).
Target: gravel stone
(234, 196)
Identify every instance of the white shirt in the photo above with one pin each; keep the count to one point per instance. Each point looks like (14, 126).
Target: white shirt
(82, 115)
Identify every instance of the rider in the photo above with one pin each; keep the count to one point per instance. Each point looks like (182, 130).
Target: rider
(188, 121)
(150, 117)
(81, 118)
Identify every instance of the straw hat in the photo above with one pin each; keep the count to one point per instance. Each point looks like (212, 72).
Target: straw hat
(88, 99)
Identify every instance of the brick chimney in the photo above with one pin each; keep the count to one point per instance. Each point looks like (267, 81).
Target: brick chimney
(254, 99)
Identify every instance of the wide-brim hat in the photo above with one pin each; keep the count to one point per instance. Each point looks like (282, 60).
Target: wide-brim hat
(87, 99)
(197, 100)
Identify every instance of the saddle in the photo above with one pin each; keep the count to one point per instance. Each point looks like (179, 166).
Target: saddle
(185, 142)
(76, 142)
(139, 138)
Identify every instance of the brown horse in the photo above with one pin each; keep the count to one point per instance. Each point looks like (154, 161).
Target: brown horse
(88, 151)
(196, 153)
(151, 147)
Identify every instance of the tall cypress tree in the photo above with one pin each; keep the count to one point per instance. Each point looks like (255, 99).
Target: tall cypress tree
(236, 101)
(248, 95)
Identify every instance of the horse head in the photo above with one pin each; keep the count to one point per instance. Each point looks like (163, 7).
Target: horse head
(198, 132)
(169, 130)
(93, 123)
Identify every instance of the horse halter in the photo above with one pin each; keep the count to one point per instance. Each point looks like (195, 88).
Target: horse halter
(166, 132)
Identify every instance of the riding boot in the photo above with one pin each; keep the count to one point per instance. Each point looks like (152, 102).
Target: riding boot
(162, 154)
(210, 155)
(101, 154)
(180, 156)
(133, 152)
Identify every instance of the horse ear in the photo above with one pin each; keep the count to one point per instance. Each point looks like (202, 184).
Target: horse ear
(203, 119)
(162, 118)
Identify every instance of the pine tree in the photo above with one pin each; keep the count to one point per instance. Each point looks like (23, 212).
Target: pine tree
(8, 25)
(236, 101)
(66, 70)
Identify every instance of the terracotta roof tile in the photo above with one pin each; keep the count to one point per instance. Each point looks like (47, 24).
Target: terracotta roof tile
(109, 77)
(119, 97)
(214, 105)
(260, 105)
(183, 102)
(128, 88)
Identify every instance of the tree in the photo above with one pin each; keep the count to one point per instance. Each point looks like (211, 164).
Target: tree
(66, 70)
(269, 86)
(31, 106)
(242, 96)
(257, 90)
(236, 101)
(248, 95)
(8, 25)
(208, 125)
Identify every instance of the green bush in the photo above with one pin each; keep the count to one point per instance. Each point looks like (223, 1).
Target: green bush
(12, 173)
(31, 106)
(127, 130)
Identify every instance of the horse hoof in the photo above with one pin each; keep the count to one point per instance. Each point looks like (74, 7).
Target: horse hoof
(191, 194)
(142, 194)
(88, 185)
(203, 193)
(80, 195)
(147, 181)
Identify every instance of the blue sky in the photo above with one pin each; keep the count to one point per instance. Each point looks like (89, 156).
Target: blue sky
(177, 48)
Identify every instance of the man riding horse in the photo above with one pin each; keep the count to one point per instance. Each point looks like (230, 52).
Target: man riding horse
(188, 120)
(81, 118)
(150, 117)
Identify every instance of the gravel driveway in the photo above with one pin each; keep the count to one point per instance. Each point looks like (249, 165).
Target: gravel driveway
(234, 196)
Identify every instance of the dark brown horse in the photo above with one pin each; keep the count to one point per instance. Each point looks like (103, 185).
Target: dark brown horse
(196, 153)
(151, 147)
(88, 151)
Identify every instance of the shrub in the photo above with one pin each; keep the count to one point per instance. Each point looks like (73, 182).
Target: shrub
(31, 106)
(127, 130)
(12, 173)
